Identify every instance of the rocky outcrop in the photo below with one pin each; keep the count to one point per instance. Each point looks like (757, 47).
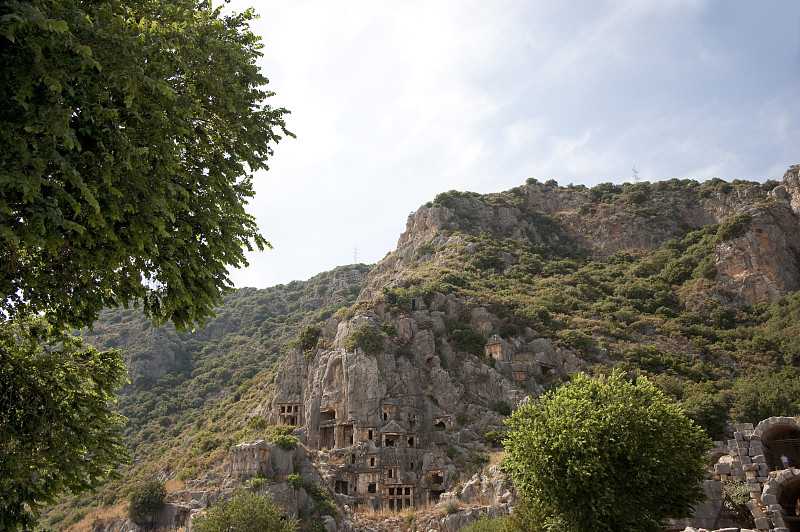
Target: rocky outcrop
(394, 426)
(757, 266)
(761, 265)
(250, 459)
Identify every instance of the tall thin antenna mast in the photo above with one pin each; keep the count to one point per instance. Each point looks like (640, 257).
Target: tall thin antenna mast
(635, 175)
(355, 255)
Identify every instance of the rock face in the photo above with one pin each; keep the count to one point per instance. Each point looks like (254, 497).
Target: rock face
(754, 267)
(393, 426)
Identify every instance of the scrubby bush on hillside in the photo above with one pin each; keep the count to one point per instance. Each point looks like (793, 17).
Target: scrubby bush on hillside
(464, 337)
(246, 512)
(146, 499)
(366, 337)
(307, 339)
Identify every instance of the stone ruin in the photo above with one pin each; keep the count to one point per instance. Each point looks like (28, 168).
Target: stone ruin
(754, 457)
(259, 458)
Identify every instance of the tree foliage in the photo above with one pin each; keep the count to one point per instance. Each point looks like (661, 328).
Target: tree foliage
(146, 500)
(606, 455)
(246, 512)
(129, 132)
(56, 430)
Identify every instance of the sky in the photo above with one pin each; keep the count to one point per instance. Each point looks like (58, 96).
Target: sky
(393, 102)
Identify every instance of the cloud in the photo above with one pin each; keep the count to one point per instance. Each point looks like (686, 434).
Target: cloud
(394, 102)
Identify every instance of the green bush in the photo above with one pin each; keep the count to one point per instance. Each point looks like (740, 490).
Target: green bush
(450, 451)
(295, 480)
(501, 407)
(576, 339)
(257, 423)
(461, 418)
(146, 499)
(398, 298)
(366, 337)
(246, 512)
(464, 337)
(258, 483)
(287, 442)
(188, 473)
(327, 507)
(307, 339)
(494, 437)
(734, 227)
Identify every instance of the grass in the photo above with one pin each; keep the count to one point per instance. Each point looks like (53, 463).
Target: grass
(105, 515)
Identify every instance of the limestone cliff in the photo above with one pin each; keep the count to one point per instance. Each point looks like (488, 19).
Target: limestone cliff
(757, 266)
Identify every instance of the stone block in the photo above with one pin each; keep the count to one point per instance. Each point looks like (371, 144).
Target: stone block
(768, 499)
(762, 523)
(722, 469)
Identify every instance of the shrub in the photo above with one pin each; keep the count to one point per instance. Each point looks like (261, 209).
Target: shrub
(187, 473)
(450, 451)
(287, 442)
(501, 407)
(398, 298)
(246, 512)
(461, 418)
(307, 339)
(452, 506)
(494, 437)
(366, 337)
(257, 423)
(327, 507)
(146, 499)
(295, 480)
(734, 227)
(585, 453)
(464, 337)
(479, 459)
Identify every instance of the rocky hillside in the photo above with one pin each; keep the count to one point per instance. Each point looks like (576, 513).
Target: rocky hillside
(398, 397)
(489, 299)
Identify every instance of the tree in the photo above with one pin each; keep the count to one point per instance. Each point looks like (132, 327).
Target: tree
(146, 500)
(606, 455)
(129, 131)
(56, 430)
(246, 512)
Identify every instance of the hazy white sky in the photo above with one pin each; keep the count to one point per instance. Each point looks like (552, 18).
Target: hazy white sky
(395, 101)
